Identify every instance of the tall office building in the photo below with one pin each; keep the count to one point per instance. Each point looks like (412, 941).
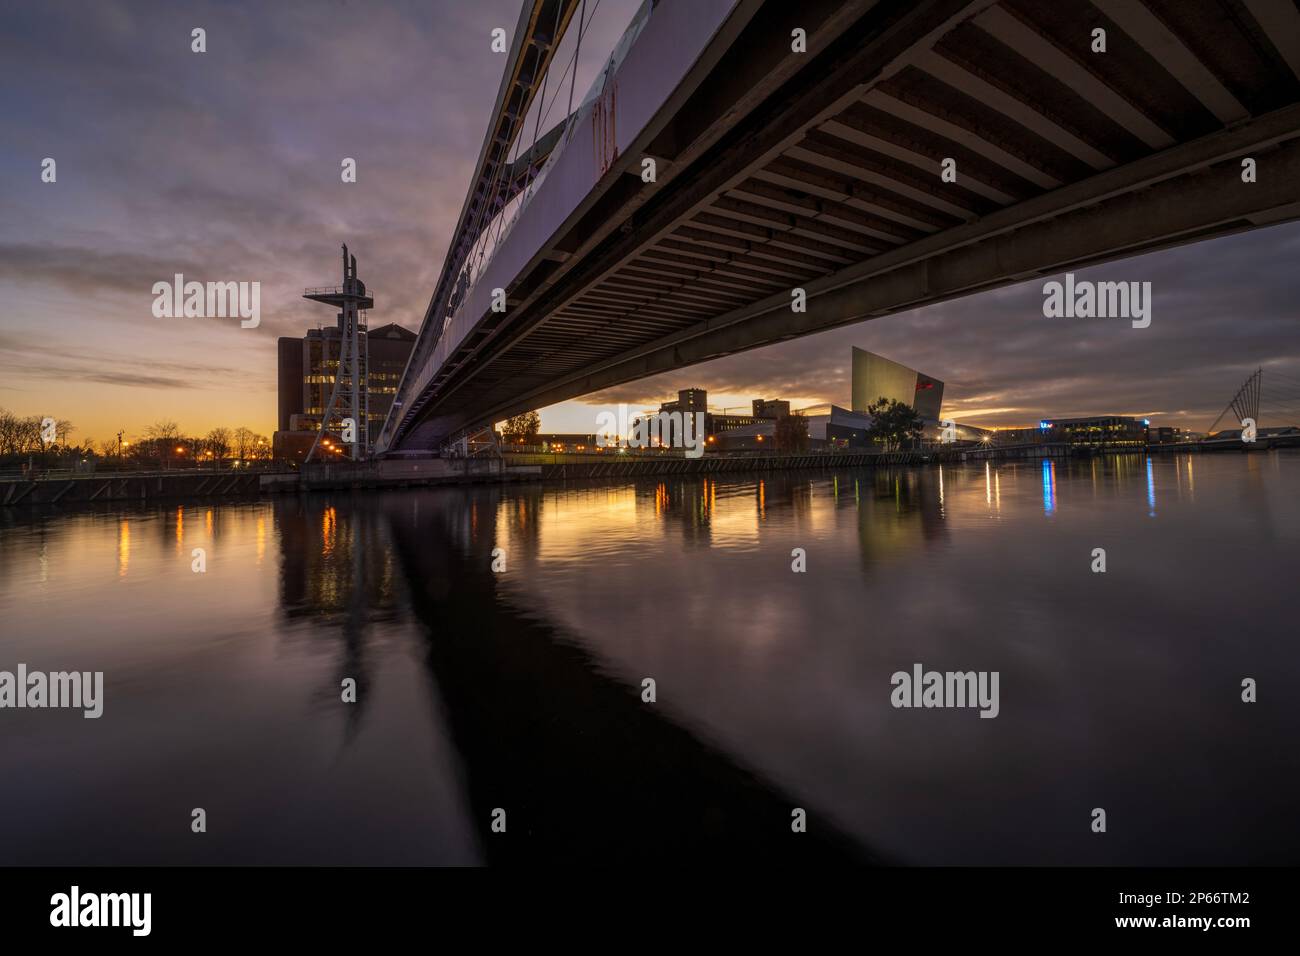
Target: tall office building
(876, 377)
(770, 407)
(689, 400)
(289, 382)
(306, 371)
(390, 349)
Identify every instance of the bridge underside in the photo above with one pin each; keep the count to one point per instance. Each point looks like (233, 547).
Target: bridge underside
(822, 171)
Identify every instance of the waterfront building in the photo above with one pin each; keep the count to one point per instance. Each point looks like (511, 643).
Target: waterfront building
(770, 408)
(692, 400)
(835, 428)
(390, 349)
(839, 428)
(758, 435)
(875, 377)
(1096, 430)
(1168, 434)
(689, 401)
(306, 369)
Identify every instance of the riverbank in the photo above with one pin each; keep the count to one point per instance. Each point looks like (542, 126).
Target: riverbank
(427, 472)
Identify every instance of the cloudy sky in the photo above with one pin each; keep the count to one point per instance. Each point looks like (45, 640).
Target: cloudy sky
(225, 166)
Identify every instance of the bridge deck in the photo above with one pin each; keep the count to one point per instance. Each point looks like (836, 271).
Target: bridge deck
(821, 171)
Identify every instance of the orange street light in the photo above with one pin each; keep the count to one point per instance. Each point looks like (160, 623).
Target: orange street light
(180, 450)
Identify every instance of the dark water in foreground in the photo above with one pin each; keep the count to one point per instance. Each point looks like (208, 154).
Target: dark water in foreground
(522, 690)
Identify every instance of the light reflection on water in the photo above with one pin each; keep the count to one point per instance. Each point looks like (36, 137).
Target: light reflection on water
(523, 689)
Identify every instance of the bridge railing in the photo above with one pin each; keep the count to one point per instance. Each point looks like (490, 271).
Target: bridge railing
(476, 266)
(583, 108)
(334, 290)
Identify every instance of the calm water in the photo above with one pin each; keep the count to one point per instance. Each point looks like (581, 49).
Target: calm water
(522, 690)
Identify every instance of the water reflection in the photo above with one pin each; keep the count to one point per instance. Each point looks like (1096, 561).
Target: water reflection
(1151, 488)
(337, 570)
(523, 689)
(123, 546)
(587, 771)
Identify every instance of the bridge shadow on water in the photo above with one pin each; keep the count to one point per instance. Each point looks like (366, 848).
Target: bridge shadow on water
(585, 770)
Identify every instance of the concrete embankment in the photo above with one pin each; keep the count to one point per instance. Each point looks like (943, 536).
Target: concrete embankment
(422, 472)
(67, 489)
(85, 489)
(406, 472)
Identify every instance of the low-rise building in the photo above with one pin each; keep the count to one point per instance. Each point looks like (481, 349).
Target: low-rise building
(1098, 430)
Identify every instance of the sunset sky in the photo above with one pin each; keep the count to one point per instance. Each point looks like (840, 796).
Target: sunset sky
(225, 166)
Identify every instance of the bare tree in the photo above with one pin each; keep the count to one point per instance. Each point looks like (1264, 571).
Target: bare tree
(244, 441)
(261, 448)
(218, 443)
(165, 430)
(10, 432)
(160, 439)
(29, 435)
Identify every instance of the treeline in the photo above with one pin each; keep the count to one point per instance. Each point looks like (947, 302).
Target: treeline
(25, 436)
(32, 440)
(163, 442)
